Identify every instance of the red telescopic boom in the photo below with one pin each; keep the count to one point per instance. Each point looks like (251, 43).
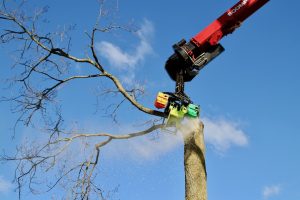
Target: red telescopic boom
(228, 22)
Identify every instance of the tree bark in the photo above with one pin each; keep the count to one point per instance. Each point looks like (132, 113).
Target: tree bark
(194, 164)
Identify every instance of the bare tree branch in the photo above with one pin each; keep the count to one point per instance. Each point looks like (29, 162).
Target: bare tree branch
(33, 159)
(44, 68)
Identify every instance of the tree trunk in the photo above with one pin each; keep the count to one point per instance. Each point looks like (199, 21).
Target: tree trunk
(194, 164)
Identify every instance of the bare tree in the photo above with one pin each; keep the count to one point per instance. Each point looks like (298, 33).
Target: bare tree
(43, 65)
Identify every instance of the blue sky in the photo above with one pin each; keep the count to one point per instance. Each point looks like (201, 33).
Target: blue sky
(249, 98)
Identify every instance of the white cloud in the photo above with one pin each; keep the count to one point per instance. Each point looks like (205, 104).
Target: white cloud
(222, 134)
(144, 148)
(125, 61)
(150, 149)
(270, 191)
(115, 56)
(5, 186)
(153, 146)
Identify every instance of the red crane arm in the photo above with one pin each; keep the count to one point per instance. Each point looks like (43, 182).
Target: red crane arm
(189, 58)
(227, 22)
